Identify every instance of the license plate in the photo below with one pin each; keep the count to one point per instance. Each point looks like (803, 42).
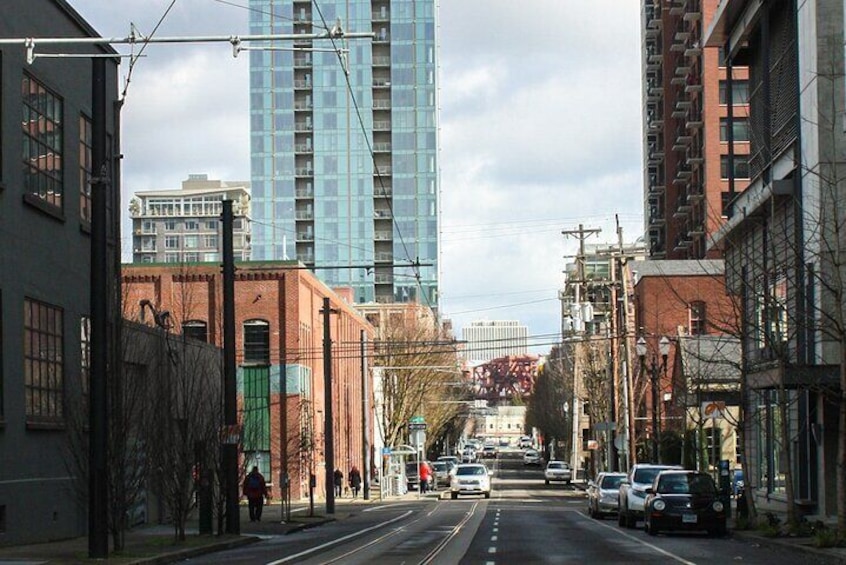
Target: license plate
(689, 518)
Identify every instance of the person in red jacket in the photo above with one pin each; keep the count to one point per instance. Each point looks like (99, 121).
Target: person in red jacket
(255, 489)
(425, 474)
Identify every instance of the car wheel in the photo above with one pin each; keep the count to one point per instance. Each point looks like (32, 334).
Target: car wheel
(631, 521)
(487, 495)
(547, 482)
(454, 495)
(648, 528)
(620, 517)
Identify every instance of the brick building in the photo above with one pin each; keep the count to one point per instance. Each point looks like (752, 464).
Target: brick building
(673, 300)
(278, 325)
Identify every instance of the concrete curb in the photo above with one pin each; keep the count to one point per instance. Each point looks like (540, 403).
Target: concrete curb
(833, 554)
(301, 527)
(183, 554)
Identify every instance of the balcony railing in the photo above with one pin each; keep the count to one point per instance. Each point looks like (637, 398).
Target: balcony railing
(304, 214)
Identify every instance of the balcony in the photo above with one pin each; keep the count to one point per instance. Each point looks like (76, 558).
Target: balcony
(383, 236)
(381, 83)
(303, 148)
(302, 62)
(382, 147)
(303, 126)
(381, 16)
(383, 278)
(382, 38)
(383, 191)
(302, 84)
(382, 125)
(383, 214)
(381, 104)
(300, 105)
(381, 61)
(304, 214)
(678, 7)
(383, 171)
(383, 257)
(303, 172)
(305, 236)
(307, 193)
(306, 258)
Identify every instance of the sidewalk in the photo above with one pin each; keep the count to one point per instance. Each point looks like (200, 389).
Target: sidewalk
(154, 544)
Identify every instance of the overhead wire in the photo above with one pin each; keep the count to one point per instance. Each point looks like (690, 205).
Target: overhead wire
(134, 59)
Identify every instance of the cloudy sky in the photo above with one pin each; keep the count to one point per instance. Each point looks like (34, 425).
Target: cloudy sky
(540, 132)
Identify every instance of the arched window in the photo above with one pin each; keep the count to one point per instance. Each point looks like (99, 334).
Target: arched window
(196, 329)
(257, 342)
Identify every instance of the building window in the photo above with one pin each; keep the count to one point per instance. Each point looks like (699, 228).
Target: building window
(191, 225)
(171, 242)
(256, 429)
(196, 329)
(698, 322)
(42, 142)
(147, 226)
(192, 257)
(190, 242)
(210, 241)
(211, 225)
(170, 225)
(85, 354)
(741, 166)
(257, 342)
(713, 445)
(85, 168)
(740, 129)
(43, 361)
(171, 257)
(739, 92)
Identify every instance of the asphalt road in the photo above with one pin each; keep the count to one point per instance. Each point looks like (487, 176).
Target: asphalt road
(524, 522)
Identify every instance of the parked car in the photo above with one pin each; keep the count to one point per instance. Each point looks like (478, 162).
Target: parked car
(488, 452)
(633, 492)
(684, 500)
(525, 442)
(441, 470)
(451, 460)
(472, 478)
(604, 494)
(468, 455)
(558, 471)
(532, 457)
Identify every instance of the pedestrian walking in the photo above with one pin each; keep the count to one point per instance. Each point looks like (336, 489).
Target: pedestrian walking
(355, 481)
(255, 489)
(424, 473)
(339, 483)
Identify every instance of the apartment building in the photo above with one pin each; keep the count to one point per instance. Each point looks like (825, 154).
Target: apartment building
(486, 340)
(783, 254)
(184, 225)
(688, 146)
(345, 146)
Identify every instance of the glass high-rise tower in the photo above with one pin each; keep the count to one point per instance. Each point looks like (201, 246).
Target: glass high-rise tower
(345, 148)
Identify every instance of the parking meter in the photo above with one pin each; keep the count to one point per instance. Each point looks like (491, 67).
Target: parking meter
(725, 485)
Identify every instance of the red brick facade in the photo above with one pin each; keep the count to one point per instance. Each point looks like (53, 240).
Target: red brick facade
(287, 301)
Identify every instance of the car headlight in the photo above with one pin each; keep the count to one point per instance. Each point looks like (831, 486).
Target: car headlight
(659, 505)
(717, 506)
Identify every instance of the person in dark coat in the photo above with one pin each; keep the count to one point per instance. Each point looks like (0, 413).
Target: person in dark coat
(255, 489)
(355, 481)
(339, 482)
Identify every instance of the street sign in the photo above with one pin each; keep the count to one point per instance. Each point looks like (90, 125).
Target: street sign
(604, 426)
(386, 451)
(416, 427)
(417, 420)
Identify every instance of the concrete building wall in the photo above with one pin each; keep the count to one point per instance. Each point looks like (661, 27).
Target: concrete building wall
(44, 260)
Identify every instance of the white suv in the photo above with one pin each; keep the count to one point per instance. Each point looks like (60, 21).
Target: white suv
(633, 492)
(473, 478)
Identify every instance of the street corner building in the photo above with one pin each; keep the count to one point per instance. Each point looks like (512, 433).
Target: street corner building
(48, 122)
(279, 346)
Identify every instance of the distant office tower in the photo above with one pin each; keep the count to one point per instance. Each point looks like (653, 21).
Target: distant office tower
(489, 340)
(345, 166)
(183, 226)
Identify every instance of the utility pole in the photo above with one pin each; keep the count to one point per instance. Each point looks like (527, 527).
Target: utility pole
(229, 449)
(98, 491)
(578, 325)
(625, 321)
(328, 434)
(365, 420)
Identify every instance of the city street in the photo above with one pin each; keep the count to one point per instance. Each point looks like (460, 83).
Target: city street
(525, 521)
